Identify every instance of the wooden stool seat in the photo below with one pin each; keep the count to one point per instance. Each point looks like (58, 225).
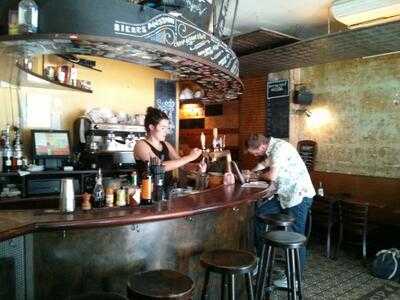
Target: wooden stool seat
(98, 296)
(284, 239)
(276, 220)
(229, 261)
(160, 284)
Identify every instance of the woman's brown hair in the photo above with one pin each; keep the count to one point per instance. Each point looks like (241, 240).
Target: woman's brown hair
(153, 117)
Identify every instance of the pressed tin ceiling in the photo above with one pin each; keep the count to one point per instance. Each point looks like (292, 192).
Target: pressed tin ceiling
(356, 43)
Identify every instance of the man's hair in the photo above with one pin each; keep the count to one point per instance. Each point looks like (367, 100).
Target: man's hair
(255, 140)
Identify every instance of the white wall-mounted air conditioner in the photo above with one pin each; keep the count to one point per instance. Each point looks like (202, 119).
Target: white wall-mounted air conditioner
(358, 13)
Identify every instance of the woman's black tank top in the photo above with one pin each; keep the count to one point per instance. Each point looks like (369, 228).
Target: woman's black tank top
(163, 155)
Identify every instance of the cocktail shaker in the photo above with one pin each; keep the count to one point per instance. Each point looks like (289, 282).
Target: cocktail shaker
(67, 195)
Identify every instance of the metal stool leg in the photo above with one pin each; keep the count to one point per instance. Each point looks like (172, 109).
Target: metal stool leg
(288, 272)
(206, 280)
(293, 273)
(261, 276)
(261, 269)
(299, 274)
(232, 287)
(223, 286)
(267, 282)
(249, 285)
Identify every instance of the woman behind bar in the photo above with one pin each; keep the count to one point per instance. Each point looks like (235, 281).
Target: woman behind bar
(154, 145)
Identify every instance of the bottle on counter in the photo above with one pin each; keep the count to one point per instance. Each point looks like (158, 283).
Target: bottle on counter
(74, 76)
(7, 157)
(109, 197)
(121, 197)
(86, 205)
(18, 152)
(98, 192)
(133, 197)
(28, 15)
(320, 191)
(147, 187)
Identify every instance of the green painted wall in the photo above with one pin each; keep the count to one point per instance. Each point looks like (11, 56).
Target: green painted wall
(358, 131)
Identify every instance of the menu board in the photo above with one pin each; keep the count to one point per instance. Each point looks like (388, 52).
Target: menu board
(277, 89)
(307, 150)
(278, 117)
(165, 99)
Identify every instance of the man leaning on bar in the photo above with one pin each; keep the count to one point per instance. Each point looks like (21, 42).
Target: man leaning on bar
(290, 191)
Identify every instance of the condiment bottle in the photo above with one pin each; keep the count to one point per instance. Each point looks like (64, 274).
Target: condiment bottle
(109, 197)
(147, 187)
(121, 197)
(86, 205)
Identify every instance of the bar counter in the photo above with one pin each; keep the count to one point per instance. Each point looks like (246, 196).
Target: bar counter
(18, 222)
(98, 250)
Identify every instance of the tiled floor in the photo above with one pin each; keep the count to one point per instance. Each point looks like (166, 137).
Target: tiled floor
(345, 278)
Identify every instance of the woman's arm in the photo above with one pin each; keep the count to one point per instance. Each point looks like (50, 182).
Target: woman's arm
(143, 152)
(181, 161)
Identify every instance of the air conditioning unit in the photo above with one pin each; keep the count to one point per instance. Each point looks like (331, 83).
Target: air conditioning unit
(361, 13)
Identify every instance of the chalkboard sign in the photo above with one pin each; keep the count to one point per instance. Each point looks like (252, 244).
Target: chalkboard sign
(278, 117)
(165, 99)
(307, 150)
(277, 89)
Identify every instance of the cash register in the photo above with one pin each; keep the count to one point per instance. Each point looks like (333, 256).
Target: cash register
(51, 149)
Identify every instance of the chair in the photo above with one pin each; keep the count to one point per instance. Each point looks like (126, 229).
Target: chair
(325, 216)
(354, 224)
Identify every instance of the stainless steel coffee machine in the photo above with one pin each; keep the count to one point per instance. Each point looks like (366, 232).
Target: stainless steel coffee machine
(104, 145)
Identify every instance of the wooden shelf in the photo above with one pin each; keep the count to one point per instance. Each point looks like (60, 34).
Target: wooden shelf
(192, 101)
(53, 81)
(79, 63)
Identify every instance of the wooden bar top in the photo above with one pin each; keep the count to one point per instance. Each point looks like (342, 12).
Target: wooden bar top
(18, 222)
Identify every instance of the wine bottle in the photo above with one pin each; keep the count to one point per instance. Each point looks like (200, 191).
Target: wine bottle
(98, 192)
(320, 190)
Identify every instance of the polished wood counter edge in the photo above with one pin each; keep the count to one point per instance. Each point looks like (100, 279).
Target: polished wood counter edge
(18, 222)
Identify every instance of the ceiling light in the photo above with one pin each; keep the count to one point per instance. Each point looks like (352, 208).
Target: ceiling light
(358, 13)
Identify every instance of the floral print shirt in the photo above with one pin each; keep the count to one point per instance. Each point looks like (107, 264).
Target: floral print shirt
(293, 180)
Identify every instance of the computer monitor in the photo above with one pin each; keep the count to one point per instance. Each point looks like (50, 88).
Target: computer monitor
(51, 144)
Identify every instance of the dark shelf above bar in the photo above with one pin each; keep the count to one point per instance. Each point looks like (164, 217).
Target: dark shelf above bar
(53, 81)
(79, 63)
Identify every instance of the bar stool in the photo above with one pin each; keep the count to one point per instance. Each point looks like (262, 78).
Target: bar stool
(229, 263)
(277, 220)
(160, 284)
(98, 296)
(290, 242)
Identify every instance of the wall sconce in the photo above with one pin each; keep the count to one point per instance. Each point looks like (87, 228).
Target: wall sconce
(319, 117)
(303, 111)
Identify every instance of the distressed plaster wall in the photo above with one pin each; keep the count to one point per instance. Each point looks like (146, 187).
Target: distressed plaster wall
(355, 120)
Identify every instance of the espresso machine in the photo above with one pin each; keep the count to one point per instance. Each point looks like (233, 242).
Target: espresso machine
(105, 145)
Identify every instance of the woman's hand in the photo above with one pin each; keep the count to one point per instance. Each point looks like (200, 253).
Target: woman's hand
(203, 166)
(195, 154)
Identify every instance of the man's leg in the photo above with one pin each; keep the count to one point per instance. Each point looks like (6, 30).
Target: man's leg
(268, 207)
(300, 212)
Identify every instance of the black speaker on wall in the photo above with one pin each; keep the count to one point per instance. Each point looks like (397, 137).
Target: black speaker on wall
(303, 97)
